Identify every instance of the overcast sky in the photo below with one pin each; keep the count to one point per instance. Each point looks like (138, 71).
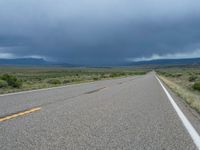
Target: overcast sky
(99, 31)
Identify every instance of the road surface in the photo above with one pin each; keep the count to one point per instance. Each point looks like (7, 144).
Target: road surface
(128, 113)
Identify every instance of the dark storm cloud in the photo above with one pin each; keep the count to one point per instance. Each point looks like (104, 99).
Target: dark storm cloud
(88, 31)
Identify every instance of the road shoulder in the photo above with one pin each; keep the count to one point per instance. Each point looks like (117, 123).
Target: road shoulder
(191, 114)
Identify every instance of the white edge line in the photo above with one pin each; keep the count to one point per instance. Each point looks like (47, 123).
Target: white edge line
(191, 130)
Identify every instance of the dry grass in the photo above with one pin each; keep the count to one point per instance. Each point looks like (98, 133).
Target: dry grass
(192, 99)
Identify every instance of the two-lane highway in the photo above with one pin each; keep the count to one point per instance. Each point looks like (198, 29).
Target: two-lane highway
(128, 113)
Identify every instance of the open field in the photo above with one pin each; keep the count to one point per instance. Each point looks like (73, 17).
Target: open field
(13, 79)
(185, 82)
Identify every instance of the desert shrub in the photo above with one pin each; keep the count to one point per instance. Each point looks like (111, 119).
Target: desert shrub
(196, 86)
(38, 78)
(74, 80)
(102, 76)
(178, 75)
(192, 78)
(139, 73)
(54, 81)
(3, 84)
(95, 78)
(189, 73)
(66, 81)
(122, 74)
(12, 80)
(112, 75)
(166, 74)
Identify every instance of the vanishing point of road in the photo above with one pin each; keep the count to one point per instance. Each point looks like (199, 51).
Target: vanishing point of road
(132, 113)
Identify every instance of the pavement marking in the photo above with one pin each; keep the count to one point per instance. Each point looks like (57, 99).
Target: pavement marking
(191, 130)
(20, 114)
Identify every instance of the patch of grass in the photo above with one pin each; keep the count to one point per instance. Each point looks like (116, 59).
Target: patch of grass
(54, 81)
(95, 78)
(3, 84)
(66, 81)
(11, 80)
(196, 86)
(193, 78)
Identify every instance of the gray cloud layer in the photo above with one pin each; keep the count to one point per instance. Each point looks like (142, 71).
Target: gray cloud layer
(101, 31)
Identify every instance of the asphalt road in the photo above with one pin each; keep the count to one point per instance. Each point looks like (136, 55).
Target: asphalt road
(129, 113)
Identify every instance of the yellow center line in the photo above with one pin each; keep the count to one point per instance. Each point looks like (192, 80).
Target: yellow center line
(20, 114)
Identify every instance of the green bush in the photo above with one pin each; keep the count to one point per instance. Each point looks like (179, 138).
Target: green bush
(12, 80)
(166, 74)
(178, 75)
(95, 78)
(196, 86)
(3, 84)
(139, 73)
(66, 81)
(104, 76)
(74, 80)
(192, 78)
(54, 81)
(112, 75)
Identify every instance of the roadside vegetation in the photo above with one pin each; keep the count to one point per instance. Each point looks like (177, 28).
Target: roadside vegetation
(185, 82)
(13, 79)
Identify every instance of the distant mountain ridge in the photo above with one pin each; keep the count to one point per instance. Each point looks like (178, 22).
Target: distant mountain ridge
(42, 62)
(23, 61)
(185, 61)
(31, 62)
